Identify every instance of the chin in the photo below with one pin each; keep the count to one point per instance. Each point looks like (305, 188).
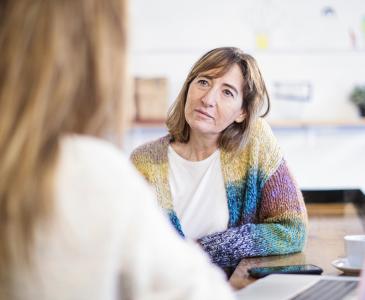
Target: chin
(202, 130)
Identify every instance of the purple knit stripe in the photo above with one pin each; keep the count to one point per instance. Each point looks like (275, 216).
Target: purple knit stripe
(280, 194)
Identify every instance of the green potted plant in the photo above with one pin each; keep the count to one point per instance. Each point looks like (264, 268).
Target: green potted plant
(358, 97)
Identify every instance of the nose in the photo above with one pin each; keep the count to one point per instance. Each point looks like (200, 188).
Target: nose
(210, 98)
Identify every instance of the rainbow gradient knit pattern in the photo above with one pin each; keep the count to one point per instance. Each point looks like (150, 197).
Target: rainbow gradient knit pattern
(267, 215)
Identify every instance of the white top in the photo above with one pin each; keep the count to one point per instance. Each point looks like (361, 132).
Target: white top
(198, 194)
(106, 226)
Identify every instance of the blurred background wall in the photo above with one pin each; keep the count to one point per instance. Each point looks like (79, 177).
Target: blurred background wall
(311, 53)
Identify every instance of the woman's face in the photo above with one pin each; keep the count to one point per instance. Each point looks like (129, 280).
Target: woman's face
(213, 104)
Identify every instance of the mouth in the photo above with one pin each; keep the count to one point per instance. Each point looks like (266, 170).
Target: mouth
(204, 113)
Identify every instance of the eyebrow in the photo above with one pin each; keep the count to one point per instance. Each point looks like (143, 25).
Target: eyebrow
(225, 84)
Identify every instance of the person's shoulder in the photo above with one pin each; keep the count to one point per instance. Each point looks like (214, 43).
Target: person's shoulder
(265, 146)
(93, 173)
(261, 126)
(88, 142)
(92, 158)
(262, 133)
(86, 147)
(151, 151)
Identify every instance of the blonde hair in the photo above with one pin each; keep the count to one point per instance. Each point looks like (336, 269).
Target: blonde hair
(61, 72)
(220, 60)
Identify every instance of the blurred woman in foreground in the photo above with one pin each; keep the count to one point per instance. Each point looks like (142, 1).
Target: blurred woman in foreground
(68, 226)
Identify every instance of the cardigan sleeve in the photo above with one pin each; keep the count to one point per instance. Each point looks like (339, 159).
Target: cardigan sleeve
(281, 226)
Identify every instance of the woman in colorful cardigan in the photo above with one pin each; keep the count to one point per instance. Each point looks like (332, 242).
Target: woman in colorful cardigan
(219, 173)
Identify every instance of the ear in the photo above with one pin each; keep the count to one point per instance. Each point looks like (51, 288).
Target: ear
(240, 118)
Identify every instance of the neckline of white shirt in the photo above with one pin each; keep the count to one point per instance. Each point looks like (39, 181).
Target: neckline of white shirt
(204, 161)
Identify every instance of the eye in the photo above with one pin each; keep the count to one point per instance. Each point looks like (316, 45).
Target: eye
(203, 82)
(228, 93)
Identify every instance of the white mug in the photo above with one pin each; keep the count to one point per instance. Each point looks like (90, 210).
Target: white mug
(355, 250)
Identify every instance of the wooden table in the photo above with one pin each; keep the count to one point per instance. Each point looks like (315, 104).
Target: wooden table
(328, 224)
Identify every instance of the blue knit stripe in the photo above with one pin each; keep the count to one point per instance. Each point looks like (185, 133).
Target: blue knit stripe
(175, 222)
(254, 184)
(242, 197)
(234, 192)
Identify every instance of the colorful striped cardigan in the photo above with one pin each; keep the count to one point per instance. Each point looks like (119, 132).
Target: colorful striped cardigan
(267, 215)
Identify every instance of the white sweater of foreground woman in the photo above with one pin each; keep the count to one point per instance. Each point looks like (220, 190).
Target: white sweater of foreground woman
(106, 239)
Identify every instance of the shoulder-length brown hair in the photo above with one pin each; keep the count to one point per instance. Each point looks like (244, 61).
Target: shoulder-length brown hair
(61, 72)
(236, 135)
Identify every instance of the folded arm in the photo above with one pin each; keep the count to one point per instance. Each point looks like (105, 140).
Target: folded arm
(281, 226)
